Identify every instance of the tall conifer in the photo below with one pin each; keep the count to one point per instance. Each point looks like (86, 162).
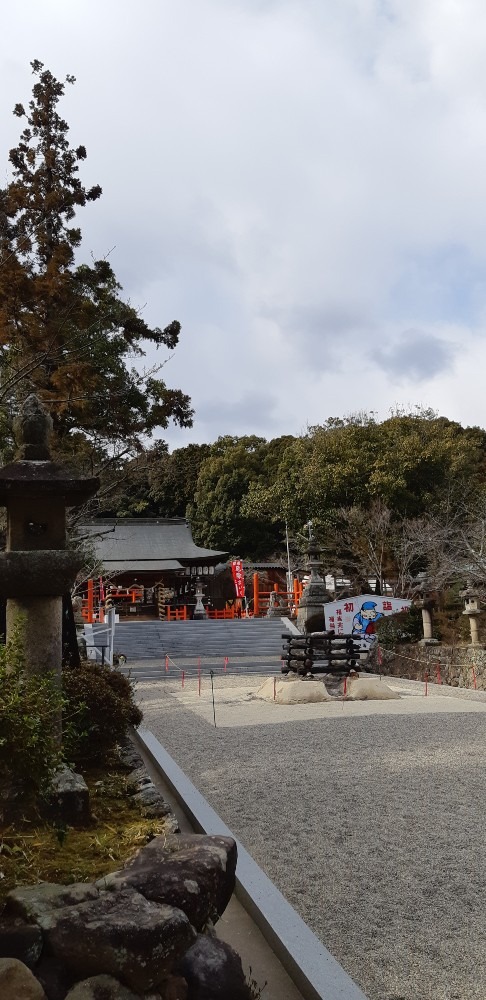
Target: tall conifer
(65, 332)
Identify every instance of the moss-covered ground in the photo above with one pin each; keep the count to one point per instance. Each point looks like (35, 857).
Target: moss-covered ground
(34, 850)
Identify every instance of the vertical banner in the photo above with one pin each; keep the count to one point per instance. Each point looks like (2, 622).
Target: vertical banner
(238, 577)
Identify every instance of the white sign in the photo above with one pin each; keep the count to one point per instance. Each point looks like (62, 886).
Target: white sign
(357, 615)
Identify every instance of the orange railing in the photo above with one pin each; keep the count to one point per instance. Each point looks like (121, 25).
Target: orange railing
(92, 608)
(176, 614)
(261, 598)
(224, 614)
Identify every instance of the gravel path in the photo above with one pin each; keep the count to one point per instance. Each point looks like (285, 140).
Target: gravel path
(372, 827)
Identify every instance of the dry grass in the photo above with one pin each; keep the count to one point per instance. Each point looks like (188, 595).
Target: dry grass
(32, 850)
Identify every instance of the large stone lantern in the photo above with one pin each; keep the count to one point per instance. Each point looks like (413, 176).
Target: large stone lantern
(472, 610)
(424, 598)
(310, 615)
(37, 567)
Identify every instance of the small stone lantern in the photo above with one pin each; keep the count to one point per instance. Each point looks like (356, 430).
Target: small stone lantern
(37, 567)
(199, 612)
(472, 610)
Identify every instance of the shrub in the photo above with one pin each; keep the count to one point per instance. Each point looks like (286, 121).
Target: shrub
(99, 706)
(404, 627)
(29, 711)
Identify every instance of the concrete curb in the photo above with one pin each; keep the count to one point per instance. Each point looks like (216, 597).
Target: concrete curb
(309, 964)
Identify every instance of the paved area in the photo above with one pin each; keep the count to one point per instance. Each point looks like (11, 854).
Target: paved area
(369, 817)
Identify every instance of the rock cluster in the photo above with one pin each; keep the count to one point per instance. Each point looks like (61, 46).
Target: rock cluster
(141, 932)
(136, 933)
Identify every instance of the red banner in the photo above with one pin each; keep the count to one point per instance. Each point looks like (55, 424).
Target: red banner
(238, 577)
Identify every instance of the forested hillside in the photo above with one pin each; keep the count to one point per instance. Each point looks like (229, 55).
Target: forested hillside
(383, 496)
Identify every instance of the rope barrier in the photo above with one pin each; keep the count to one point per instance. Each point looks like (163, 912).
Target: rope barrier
(416, 659)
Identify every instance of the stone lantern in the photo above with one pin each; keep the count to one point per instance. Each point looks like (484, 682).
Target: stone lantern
(472, 610)
(310, 615)
(37, 567)
(424, 598)
(199, 612)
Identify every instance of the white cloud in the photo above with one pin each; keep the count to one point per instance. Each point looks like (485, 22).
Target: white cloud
(300, 183)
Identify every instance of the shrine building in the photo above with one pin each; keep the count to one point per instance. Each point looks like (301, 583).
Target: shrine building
(148, 566)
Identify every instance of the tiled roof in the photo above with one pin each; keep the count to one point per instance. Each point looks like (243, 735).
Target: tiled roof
(146, 543)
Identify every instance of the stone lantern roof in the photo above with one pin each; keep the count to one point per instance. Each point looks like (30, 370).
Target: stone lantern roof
(34, 473)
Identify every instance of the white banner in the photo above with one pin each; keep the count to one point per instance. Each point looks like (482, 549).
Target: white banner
(357, 615)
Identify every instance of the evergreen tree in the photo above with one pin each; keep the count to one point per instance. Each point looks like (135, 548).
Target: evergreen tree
(65, 332)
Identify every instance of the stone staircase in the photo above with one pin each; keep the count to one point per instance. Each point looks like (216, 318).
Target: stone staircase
(252, 637)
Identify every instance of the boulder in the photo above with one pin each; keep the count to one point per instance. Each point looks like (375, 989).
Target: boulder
(101, 988)
(175, 989)
(368, 689)
(213, 971)
(149, 797)
(198, 878)
(20, 940)
(35, 903)
(137, 780)
(293, 692)
(53, 976)
(130, 757)
(120, 934)
(17, 981)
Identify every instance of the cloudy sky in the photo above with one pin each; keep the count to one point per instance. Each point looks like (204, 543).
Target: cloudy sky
(302, 183)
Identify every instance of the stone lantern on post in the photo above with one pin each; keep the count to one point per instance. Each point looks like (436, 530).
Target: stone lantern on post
(310, 615)
(472, 610)
(37, 567)
(424, 598)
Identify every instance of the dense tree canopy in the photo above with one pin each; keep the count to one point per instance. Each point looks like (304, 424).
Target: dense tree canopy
(65, 331)
(407, 462)
(372, 490)
(217, 512)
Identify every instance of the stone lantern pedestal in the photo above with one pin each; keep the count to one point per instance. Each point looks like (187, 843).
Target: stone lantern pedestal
(37, 567)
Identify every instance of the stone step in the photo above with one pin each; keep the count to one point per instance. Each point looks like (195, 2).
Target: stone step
(246, 637)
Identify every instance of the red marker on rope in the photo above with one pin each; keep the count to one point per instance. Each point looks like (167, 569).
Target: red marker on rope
(166, 663)
(437, 670)
(183, 678)
(225, 663)
(379, 656)
(426, 678)
(475, 683)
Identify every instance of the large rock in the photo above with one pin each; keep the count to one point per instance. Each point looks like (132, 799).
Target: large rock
(213, 971)
(54, 977)
(35, 903)
(293, 692)
(120, 934)
(17, 981)
(137, 780)
(150, 802)
(368, 689)
(101, 988)
(20, 940)
(198, 878)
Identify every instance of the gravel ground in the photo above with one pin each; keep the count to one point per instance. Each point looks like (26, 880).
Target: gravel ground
(372, 826)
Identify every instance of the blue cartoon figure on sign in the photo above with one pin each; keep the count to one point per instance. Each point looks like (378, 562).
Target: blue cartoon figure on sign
(364, 621)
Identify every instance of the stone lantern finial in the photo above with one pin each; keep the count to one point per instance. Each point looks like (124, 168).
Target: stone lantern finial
(32, 429)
